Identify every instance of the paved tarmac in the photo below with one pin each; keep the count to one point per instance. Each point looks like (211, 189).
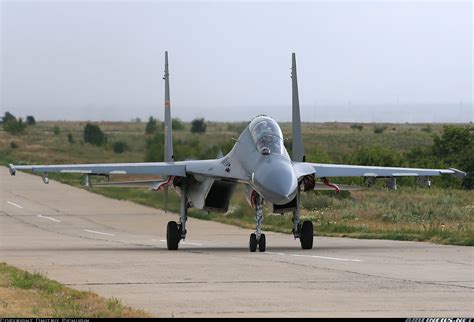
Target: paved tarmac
(117, 249)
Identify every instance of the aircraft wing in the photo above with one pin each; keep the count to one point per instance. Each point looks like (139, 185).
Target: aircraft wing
(151, 168)
(215, 168)
(342, 187)
(322, 170)
(150, 184)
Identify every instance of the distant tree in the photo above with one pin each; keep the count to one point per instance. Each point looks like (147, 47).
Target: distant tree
(13, 145)
(198, 126)
(14, 126)
(119, 147)
(30, 120)
(8, 117)
(319, 155)
(421, 157)
(137, 120)
(466, 163)
(94, 135)
(357, 127)
(177, 124)
(427, 129)
(379, 129)
(376, 156)
(56, 130)
(70, 138)
(455, 147)
(151, 126)
(453, 141)
(155, 148)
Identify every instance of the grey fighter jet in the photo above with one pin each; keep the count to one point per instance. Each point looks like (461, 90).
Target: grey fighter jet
(258, 160)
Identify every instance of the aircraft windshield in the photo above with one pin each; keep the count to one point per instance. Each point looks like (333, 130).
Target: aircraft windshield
(267, 135)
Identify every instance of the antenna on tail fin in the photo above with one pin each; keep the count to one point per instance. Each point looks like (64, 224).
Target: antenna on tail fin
(169, 157)
(298, 148)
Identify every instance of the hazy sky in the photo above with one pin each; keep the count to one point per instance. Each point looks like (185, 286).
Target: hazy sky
(357, 61)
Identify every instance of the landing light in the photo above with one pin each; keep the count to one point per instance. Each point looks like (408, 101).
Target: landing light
(265, 150)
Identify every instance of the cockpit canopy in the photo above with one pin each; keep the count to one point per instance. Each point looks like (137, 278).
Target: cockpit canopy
(267, 135)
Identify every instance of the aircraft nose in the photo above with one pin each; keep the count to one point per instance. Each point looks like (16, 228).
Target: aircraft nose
(277, 182)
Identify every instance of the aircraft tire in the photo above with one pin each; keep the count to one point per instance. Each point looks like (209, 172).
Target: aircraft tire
(306, 235)
(253, 243)
(172, 235)
(262, 243)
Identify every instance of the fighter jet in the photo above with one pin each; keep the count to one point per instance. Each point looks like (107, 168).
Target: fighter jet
(258, 160)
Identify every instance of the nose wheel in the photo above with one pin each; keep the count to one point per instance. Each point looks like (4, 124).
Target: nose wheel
(260, 243)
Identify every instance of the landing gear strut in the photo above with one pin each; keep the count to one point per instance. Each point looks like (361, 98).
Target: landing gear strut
(175, 232)
(303, 231)
(257, 238)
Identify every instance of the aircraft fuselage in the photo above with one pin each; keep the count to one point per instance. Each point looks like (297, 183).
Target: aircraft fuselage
(262, 155)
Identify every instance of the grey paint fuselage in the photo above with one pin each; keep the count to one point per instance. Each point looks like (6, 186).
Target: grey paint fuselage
(271, 175)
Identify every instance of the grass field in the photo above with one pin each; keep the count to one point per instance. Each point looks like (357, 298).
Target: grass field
(23, 294)
(410, 213)
(333, 140)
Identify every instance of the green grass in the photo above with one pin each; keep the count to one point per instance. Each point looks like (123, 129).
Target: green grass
(40, 144)
(24, 294)
(437, 215)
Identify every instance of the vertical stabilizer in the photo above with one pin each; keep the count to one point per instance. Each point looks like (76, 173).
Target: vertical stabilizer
(298, 148)
(169, 157)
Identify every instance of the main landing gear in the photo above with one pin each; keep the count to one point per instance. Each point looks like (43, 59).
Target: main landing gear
(175, 232)
(303, 231)
(257, 238)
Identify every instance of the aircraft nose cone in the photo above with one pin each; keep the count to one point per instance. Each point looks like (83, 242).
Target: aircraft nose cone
(277, 182)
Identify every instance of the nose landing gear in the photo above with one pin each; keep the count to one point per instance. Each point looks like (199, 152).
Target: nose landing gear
(257, 238)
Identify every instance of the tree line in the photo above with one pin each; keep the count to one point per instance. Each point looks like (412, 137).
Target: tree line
(14, 125)
(454, 147)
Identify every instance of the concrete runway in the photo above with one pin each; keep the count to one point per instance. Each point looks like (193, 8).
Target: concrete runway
(117, 249)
